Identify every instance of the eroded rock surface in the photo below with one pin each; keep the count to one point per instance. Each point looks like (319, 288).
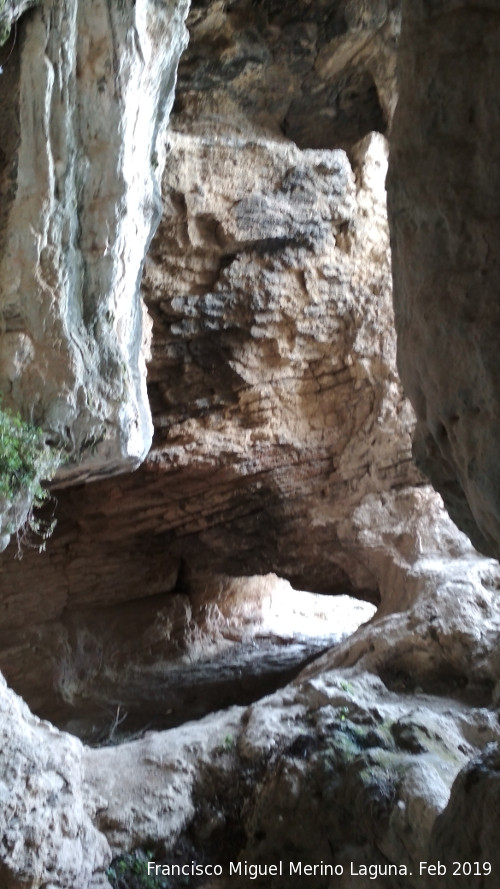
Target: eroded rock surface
(353, 763)
(274, 393)
(322, 74)
(109, 673)
(443, 190)
(282, 443)
(47, 834)
(466, 830)
(86, 93)
(273, 387)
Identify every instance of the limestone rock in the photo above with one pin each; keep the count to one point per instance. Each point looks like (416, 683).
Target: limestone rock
(47, 835)
(274, 393)
(439, 615)
(282, 443)
(443, 190)
(332, 769)
(105, 674)
(272, 381)
(320, 73)
(353, 763)
(467, 830)
(86, 94)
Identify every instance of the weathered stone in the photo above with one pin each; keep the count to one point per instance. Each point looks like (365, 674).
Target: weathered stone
(87, 91)
(282, 442)
(47, 835)
(335, 769)
(444, 191)
(320, 73)
(274, 394)
(106, 673)
(466, 833)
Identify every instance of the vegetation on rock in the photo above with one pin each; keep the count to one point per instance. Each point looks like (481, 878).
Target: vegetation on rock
(130, 871)
(25, 462)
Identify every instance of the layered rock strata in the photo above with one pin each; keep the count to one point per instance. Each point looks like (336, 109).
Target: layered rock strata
(365, 761)
(282, 442)
(274, 393)
(272, 380)
(352, 764)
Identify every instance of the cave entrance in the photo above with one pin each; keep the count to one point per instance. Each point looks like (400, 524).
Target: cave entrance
(109, 674)
(161, 662)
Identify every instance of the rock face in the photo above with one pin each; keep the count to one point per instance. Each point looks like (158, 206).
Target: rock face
(282, 442)
(321, 73)
(272, 382)
(86, 93)
(352, 764)
(273, 356)
(466, 825)
(106, 673)
(445, 232)
(46, 818)
(369, 759)
(274, 395)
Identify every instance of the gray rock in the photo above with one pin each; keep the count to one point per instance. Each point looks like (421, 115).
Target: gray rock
(443, 196)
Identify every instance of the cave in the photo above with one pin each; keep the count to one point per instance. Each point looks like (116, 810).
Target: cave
(249, 498)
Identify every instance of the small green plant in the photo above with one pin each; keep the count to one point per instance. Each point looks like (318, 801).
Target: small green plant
(25, 461)
(130, 871)
(227, 745)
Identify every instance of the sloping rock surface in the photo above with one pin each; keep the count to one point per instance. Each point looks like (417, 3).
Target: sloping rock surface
(366, 760)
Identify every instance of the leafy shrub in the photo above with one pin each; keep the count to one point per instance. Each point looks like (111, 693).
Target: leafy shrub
(130, 871)
(25, 461)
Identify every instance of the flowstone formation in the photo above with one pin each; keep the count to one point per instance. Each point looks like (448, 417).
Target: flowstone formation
(282, 444)
(86, 92)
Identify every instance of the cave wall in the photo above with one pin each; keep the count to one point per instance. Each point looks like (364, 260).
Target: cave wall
(443, 195)
(272, 380)
(282, 440)
(86, 93)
